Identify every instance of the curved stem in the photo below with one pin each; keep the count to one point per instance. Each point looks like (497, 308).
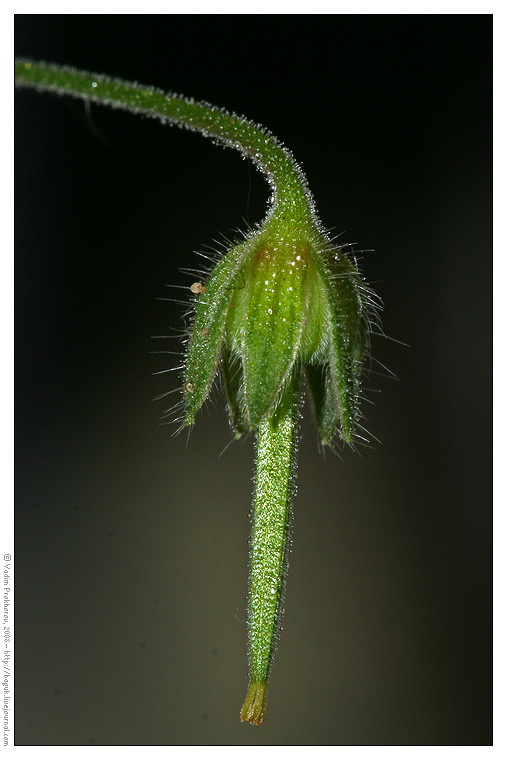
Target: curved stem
(276, 457)
(291, 200)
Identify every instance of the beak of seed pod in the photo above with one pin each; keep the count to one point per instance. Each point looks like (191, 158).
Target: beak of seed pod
(268, 309)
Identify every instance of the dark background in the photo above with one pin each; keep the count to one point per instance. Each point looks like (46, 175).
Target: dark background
(131, 545)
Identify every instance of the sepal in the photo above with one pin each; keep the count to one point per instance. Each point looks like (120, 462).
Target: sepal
(206, 343)
(275, 312)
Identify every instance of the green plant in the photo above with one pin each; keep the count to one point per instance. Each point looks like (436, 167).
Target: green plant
(282, 301)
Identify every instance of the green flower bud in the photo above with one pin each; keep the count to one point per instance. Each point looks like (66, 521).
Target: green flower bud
(274, 302)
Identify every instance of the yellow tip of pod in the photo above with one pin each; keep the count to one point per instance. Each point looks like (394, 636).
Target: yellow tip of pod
(254, 706)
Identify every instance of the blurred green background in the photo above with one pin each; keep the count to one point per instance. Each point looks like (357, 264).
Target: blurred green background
(132, 545)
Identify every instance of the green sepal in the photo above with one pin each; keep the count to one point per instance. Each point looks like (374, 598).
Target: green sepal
(205, 348)
(334, 385)
(274, 307)
(351, 304)
(325, 400)
(232, 371)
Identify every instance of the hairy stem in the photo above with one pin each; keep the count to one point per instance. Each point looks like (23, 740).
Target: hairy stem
(291, 196)
(276, 454)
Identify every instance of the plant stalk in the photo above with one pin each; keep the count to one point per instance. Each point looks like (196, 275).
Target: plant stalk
(292, 200)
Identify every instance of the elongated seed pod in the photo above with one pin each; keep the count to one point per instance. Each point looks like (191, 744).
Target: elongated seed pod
(276, 458)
